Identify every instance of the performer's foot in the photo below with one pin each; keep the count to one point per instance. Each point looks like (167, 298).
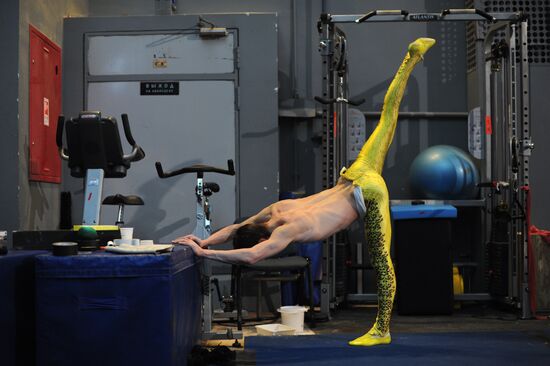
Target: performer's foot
(372, 338)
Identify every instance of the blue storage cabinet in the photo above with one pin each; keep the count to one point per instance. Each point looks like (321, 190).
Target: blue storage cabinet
(423, 258)
(17, 299)
(105, 309)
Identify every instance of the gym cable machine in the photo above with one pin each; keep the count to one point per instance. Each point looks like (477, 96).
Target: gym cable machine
(503, 76)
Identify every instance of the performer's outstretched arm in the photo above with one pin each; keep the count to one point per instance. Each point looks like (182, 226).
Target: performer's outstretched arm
(225, 234)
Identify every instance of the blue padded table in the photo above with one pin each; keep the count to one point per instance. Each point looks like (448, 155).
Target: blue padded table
(17, 307)
(114, 309)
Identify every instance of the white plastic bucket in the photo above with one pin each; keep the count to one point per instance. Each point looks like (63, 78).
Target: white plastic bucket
(293, 316)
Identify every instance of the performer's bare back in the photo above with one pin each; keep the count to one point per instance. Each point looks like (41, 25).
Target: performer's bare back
(317, 216)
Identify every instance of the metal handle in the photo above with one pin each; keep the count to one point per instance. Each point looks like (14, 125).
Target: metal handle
(482, 13)
(214, 187)
(356, 101)
(381, 12)
(127, 131)
(324, 100)
(59, 137)
(351, 101)
(137, 153)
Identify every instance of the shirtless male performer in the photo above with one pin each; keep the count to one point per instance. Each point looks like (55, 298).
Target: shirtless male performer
(359, 193)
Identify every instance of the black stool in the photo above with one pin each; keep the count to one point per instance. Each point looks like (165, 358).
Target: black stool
(121, 200)
(273, 269)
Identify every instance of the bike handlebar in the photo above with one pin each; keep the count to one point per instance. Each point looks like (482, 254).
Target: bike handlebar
(199, 169)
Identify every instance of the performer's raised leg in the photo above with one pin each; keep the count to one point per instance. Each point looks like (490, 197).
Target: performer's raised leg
(365, 173)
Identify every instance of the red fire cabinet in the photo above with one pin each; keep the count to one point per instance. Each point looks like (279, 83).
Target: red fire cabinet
(44, 107)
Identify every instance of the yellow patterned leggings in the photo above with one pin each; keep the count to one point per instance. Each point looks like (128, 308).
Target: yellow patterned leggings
(378, 237)
(365, 173)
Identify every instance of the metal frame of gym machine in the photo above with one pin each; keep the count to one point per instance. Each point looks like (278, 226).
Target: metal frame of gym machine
(504, 103)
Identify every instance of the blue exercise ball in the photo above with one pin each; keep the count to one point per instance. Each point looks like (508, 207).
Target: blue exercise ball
(444, 172)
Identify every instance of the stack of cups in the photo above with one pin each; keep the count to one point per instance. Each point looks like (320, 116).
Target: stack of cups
(127, 236)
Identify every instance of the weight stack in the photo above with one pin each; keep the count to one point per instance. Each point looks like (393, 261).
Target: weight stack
(498, 268)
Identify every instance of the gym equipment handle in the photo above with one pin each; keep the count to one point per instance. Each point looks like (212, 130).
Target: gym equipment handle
(356, 101)
(59, 137)
(514, 149)
(351, 101)
(199, 169)
(469, 11)
(59, 132)
(325, 100)
(127, 131)
(137, 152)
(496, 185)
(381, 12)
(214, 187)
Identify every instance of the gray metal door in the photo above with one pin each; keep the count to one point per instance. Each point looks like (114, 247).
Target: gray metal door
(196, 126)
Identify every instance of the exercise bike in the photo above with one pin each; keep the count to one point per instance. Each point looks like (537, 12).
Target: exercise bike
(94, 152)
(203, 229)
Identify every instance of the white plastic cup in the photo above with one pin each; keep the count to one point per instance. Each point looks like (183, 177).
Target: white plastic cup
(126, 233)
(293, 316)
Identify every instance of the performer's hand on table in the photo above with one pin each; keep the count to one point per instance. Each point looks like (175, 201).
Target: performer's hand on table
(191, 237)
(190, 243)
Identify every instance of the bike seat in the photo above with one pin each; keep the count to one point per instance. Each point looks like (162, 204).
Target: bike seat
(119, 199)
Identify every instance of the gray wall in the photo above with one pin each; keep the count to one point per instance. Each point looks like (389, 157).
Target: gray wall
(540, 130)
(281, 7)
(38, 201)
(9, 22)
(24, 204)
(300, 158)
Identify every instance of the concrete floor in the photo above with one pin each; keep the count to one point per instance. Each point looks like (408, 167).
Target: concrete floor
(470, 318)
(358, 319)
